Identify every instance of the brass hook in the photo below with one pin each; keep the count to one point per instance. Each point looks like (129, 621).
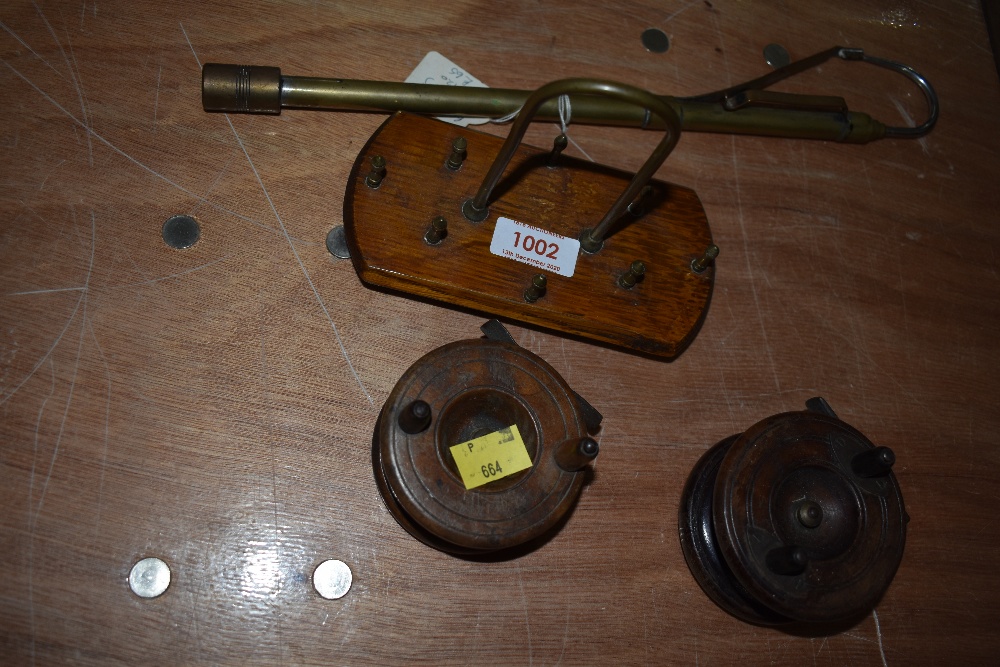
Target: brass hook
(751, 92)
(592, 240)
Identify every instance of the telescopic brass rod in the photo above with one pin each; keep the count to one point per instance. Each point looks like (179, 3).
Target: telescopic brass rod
(745, 109)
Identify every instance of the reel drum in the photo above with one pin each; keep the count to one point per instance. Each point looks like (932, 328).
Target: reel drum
(456, 394)
(798, 519)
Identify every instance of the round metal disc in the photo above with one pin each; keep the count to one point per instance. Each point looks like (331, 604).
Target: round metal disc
(332, 579)
(655, 40)
(776, 55)
(181, 231)
(149, 578)
(336, 243)
(476, 387)
(771, 477)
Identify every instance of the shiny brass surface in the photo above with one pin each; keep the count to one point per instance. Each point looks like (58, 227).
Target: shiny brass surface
(741, 109)
(242, 89)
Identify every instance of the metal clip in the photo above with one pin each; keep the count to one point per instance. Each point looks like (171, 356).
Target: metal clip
(751, 93)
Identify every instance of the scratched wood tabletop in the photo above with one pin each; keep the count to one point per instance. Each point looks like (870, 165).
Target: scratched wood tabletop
(214, 406)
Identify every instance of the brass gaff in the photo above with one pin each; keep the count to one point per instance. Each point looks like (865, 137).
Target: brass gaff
(743, 109)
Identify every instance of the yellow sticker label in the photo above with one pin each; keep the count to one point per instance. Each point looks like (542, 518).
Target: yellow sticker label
(491, 457)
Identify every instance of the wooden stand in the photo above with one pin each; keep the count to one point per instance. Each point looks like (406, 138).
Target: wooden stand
(385, 228)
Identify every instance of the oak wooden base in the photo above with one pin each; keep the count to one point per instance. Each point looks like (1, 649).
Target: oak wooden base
(385, 229)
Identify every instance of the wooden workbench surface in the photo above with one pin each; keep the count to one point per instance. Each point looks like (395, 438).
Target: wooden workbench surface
(214, 406)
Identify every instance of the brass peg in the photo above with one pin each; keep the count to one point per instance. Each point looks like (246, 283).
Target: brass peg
(699, 265)
(873, 462)
(574, 454)
(437, 231)
(377, 173)
(536, 290)
(787, 560)
(634, 274)
(415, 417)
(458, 154)
(558, 146)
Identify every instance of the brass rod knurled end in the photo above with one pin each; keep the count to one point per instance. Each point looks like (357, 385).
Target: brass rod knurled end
(241, 88)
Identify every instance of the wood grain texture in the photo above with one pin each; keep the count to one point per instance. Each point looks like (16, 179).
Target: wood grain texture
(385, 228)
(214, 406)
(473, 388)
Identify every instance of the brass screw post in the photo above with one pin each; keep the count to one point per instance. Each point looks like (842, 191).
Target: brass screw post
(536, 290)
(437, 231)
(377, 173)
(458, 154)
(699, 265)
(634, 274)
(558, 146)
(810, 514)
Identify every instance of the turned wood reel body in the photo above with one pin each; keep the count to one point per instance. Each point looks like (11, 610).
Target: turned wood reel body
(798, 519)
(463, 391)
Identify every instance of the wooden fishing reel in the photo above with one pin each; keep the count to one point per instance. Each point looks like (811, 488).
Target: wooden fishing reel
(482, 446)
(800, 518)
(426, 213)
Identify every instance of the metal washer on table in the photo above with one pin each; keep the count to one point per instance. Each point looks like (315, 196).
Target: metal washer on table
(332, 579)
(336, 243)
(180, 231)
(655, 40)
(149, 578)
(776, 56)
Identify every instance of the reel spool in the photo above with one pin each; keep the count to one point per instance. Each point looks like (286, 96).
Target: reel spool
(469, 390)
(798, 519)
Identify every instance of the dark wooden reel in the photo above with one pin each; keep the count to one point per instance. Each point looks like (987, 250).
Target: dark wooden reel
(800, 518)
(465, 390)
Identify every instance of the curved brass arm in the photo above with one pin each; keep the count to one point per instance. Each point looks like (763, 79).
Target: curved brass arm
(592, 239)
